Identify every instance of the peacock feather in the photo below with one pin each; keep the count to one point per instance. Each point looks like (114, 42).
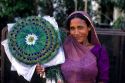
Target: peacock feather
(33, 40)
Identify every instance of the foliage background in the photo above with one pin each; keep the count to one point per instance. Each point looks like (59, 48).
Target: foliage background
(60, 9)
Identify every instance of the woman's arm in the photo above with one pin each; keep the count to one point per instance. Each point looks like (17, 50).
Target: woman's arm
(103, 66)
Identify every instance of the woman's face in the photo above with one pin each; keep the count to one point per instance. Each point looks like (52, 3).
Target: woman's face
(79, 30)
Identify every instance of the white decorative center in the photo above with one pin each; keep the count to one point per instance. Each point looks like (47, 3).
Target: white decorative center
(31, 39)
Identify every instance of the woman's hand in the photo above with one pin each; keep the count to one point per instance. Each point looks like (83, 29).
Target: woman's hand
(40, 70)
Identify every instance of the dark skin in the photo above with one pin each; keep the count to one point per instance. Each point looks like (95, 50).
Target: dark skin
(40, 70)
(79, 30)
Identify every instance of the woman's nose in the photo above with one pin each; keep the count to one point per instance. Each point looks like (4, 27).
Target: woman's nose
(76, 32)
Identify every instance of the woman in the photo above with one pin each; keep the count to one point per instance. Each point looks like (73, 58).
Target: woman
(86, 60)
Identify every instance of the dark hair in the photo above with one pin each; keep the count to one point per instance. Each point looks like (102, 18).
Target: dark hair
(76, 15)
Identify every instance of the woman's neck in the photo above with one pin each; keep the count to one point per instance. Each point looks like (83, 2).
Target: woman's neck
(86, 42)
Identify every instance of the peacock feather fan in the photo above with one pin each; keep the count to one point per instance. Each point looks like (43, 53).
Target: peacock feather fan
(33, 40)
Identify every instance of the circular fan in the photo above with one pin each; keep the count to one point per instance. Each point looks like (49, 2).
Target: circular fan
(33, 40)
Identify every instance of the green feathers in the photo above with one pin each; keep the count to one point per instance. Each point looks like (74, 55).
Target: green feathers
(33, 40)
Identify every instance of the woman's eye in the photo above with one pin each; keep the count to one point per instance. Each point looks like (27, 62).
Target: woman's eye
(72, 28)
(80, 27)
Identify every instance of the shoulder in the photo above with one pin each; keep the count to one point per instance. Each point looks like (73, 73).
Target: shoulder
(99, 47)
(99, 50)
(96, 48)
(102, 54)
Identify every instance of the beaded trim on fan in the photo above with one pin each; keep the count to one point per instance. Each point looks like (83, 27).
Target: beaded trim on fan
(33, 40)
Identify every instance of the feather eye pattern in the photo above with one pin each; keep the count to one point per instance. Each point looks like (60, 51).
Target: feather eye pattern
(33, 40)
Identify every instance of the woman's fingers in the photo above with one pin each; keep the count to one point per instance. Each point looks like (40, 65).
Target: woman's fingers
(40, 69)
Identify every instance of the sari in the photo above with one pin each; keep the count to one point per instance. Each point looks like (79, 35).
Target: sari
(81, 64)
